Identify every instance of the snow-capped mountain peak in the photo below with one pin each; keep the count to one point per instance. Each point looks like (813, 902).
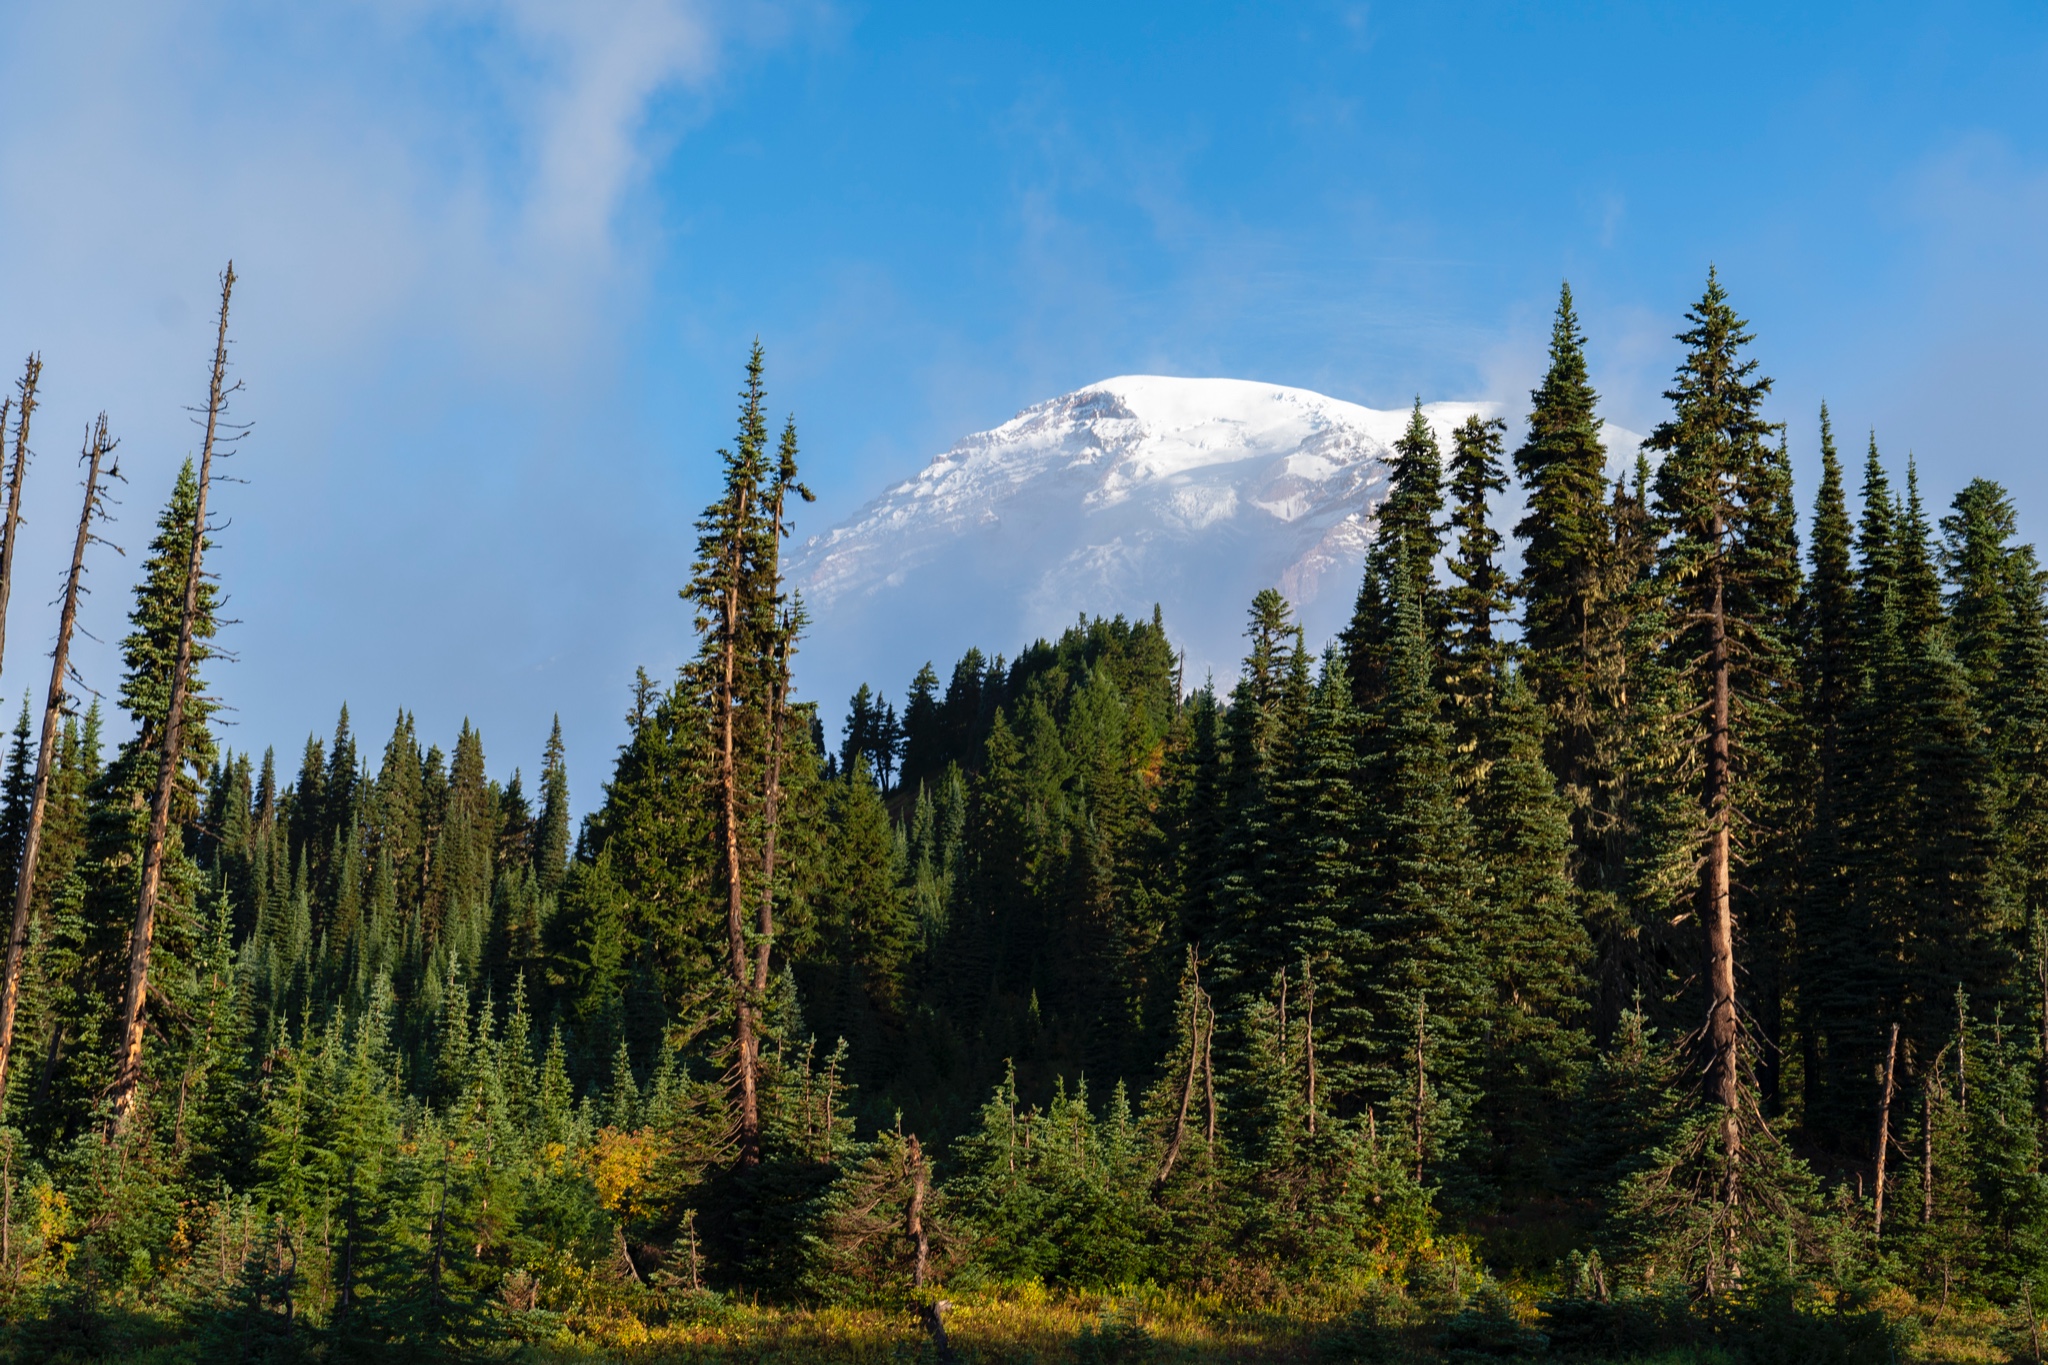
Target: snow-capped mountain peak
(1127, 471)
(1192, 494)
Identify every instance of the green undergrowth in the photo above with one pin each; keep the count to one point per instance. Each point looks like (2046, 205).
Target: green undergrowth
(1028, 1323)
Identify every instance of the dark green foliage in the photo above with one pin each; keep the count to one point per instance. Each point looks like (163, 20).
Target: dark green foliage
(873, 737)
(1583, 557)
(1477, 606)
(1426, 991)
(858, 977)
(551, 830)
(1060, 1195)
(1535, 948)
(1767, 1328)
(1402, 564)
(1491, 1329)
(15, 790)
(1370, 979)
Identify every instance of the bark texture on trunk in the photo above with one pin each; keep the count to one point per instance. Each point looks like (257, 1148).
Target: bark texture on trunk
(1884, 1130)
(1187, 1092)
(913, 1220)
(128, 1060)
(17, 474)
(97, 447)
(1722, 1033)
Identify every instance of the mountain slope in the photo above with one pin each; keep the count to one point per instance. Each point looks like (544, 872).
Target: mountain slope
(1192, 494)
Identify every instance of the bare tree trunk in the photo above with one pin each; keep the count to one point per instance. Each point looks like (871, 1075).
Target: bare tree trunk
(128, 1062)
(1187, 1091)
(931, 1313)
(97, 447)
(913, 1221)
(31, 374)
(1884, 1130)
(1723, 1028)
(1962, 1044)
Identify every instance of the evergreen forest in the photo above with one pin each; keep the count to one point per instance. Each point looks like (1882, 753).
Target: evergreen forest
(1627, 941)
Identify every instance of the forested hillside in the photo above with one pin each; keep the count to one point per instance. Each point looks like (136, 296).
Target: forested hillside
(1629, 938)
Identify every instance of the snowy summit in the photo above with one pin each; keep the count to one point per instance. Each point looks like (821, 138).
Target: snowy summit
(1191, 494)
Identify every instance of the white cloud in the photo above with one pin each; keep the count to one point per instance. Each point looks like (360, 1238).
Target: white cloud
(432, 207)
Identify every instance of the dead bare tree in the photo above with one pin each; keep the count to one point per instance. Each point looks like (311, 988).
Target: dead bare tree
(1884, 1130)
(128, 1060)
(97, 447)
(1196, 1002)
(31, 375)
(932, 1313)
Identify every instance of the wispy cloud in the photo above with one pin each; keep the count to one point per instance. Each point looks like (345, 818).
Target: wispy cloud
(438, 211)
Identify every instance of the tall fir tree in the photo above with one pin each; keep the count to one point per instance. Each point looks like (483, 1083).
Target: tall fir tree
(17, 788)
(1406, 531)
(1830, 999)
(1720, 506)
(551, 830)
(1578, 572)
(1478, 603)
(1426, 991)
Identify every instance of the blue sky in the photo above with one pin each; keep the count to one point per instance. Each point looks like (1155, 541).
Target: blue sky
(500, 263)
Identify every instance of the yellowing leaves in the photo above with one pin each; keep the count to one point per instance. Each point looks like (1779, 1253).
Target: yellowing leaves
(621, 1165)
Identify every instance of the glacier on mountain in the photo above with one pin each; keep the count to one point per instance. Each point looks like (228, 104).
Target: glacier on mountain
(1191, 494)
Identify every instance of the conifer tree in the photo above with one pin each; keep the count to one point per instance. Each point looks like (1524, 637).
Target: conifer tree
(17, 794)
(551, 831)
(923, 742)
(745, 633)
(1425, 990)
(1478, 605)
(1959, 916)
(1718, 503)
(1864, 925)
(863, 720)
(1324, 889)
(785, 619)
(2000, 630)
(1406, 532)
(175, 745)
(1533, 942)
(862, 908)
(1830, 678)
(1570, 609)
(1261, 727)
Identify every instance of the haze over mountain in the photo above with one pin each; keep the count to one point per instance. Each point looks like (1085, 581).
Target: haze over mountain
(1191, 494)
